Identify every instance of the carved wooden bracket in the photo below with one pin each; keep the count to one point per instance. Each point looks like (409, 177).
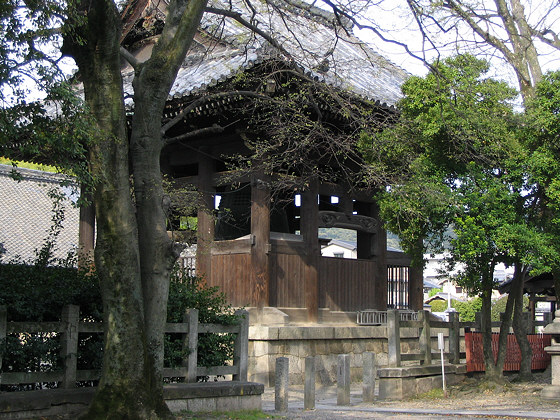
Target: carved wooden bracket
(347, 221)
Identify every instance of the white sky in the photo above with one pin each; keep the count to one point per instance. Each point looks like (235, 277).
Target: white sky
(395, 20)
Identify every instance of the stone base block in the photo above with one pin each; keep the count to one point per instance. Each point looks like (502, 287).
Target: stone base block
(405, 382)
(199, 397)
(551, 392)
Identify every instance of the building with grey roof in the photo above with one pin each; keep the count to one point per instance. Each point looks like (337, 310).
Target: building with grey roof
(26, 211)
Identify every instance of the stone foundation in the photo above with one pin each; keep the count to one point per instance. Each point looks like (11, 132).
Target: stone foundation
(198, 397)
(325, 342)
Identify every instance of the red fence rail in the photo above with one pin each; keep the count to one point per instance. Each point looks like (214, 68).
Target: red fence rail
(475, 357)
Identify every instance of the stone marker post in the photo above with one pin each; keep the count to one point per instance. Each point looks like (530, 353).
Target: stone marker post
(241, 346)
(343, 380)
(309, 387)
(454, 337)
(370, 372)
(393, 338)
(190, 343)
(69, 344)
(281, 382)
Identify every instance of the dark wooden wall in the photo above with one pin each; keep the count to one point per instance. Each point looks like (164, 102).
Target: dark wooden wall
(347, 285)
(344, 284)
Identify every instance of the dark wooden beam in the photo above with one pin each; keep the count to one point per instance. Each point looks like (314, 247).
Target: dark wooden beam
(260, 236)
(205, 231)
(309, 227)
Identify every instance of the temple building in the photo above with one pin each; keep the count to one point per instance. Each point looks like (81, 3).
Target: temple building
(265, 191)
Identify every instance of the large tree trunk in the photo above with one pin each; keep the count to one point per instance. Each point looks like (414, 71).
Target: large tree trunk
(152, 84)
(505, 325)
(491, 370)
(520, 326)
(134, 255)
(125, 389)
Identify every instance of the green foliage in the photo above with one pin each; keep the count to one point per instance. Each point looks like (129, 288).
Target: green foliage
(438, 305)
(542, 137)
(468, 309)
(42, 119)
(192, 292)
(38, 293)
(433, 292)
(499, 307)
(460, 161)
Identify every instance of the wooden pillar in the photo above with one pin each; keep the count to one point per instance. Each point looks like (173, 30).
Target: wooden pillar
(309, 228)
(415, 288)
(86, 231)
(205, 231)
(416, 283)
(373, 246)
(260, 237)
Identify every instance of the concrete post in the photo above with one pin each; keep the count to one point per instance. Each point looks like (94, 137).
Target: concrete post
(190, 342)
(69, 341)
(425, 337)
(454, 337)
(281, 382)
(343, 380)
(309, 387)
(393, 338)
(370, 372)
(241, 346)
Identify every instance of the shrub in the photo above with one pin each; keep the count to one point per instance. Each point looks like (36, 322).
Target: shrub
(192, 292)
(438, 305)
(468, 309)
(38, 293)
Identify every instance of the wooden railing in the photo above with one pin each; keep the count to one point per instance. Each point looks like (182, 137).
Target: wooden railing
(395, 322)
(424, 324)
(70, 326)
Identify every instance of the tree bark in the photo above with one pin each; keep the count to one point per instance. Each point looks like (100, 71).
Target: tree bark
(152, 84)
(520, 325)
(133, 253)
(123, 391)
(506, 324)
(491, 372)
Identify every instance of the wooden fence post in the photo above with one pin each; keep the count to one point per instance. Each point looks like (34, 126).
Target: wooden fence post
(454, 337)
(393, 338)
(190, 343)
(241, 346)
(425, 337)
(3, 332)
(478, 321)
(69, 344)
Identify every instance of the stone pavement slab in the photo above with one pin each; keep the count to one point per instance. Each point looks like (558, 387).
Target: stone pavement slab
(326, 408)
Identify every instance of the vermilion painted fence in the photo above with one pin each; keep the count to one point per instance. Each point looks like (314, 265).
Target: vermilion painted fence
(475, 358)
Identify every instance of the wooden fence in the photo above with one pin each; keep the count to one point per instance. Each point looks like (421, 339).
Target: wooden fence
(70, 326)
(424, 324)
(473, 355)
(475, 358)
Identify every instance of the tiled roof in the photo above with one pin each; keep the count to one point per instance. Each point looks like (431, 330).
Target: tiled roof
(311, 42)
(26, 213)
